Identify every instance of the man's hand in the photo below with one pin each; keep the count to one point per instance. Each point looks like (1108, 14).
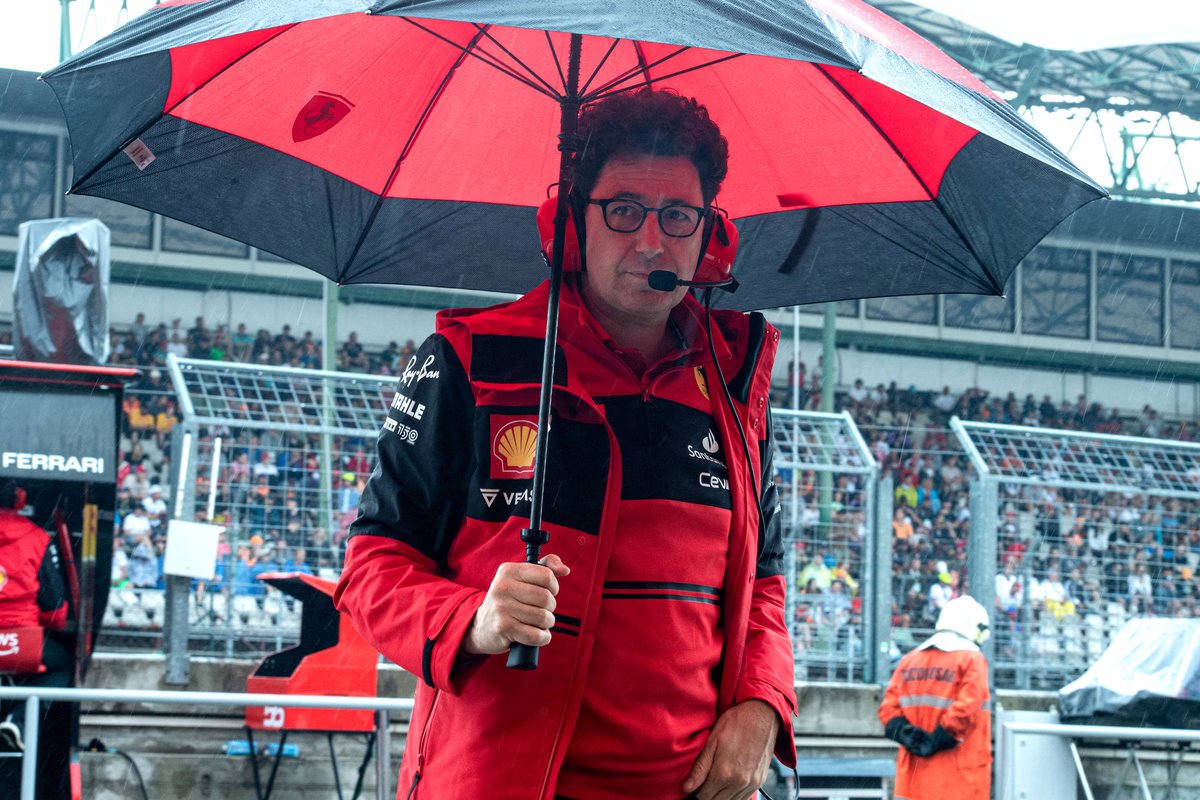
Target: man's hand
(519, 607)
(734, 761)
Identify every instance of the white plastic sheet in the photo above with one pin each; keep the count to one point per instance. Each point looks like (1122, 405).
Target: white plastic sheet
(60, 291)
(1149, 675)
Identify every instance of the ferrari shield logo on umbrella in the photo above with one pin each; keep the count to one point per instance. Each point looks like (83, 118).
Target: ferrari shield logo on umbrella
(320, 114)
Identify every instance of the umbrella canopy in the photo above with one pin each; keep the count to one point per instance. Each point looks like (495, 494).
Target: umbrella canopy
(411, 145)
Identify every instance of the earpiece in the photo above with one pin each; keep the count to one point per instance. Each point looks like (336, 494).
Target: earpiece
(720, 248)
(545, 223)
(716, 262)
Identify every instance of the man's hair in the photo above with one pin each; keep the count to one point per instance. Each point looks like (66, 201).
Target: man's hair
(650, 122)
(8, 494)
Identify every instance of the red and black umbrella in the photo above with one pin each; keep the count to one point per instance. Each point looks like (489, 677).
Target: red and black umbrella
(412, 144)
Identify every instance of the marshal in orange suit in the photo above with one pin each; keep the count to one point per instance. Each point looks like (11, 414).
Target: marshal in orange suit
(937, 706)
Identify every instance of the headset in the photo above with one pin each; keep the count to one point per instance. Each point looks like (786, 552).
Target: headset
(715, 270)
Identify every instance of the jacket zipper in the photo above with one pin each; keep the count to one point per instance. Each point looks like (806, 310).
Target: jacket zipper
(412, 790)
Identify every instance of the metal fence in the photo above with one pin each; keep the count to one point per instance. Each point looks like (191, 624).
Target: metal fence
(34, 696)
(1081, 531)
(929, 520)
(1069, 533)
(828, 490)
(278, 456)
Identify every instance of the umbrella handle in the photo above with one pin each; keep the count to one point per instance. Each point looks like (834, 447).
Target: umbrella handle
(522, 656)
(525, 656)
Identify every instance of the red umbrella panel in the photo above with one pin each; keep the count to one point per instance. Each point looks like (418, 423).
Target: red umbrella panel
(413, 150)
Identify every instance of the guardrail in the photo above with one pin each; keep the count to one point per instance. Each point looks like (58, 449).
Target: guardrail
(34, 695)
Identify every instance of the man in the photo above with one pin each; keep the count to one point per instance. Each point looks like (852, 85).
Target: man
(665, 666)
(33, 603)
(156, 508)
(937, 707)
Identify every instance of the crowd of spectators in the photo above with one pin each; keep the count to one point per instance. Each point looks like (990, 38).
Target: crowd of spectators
(147, 346)
(1066, 555)
(269, 489)
(1075, 564)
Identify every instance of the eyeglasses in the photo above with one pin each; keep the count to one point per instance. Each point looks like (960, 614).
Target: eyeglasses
(623, 215)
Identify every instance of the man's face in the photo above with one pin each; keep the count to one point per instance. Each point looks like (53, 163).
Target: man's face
(618, 264)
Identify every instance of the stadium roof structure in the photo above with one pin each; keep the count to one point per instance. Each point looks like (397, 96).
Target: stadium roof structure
(1152, 77)
(1081, 459)
(1150, 85)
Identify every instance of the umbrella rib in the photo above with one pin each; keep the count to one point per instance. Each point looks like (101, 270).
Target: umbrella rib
(486, 59)
(645, 67)
(609, 88)
(532, 73)
(166, 111)
(554, 57)
(607, 54)
(997, 287)
(412, 137)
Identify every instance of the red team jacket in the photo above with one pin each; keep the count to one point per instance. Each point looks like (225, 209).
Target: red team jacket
(449, 497)
(31, 588)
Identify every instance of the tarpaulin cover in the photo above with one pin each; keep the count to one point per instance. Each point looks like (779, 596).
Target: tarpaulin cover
(1148, 676)
(60, 291)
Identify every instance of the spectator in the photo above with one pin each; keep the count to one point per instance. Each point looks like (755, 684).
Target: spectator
(298, 562)
(155, 507)
(120, 562)
(241, 343)
(834, 605)
(136, 524)
(1139, 583)
(143, 564)
(941, 591)
(820, 570)
(199, 340)
(945, 402)
(353, 357)
(244, 582)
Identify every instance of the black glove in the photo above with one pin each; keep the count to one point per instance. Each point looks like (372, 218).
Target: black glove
(913, 739)
(941, 739)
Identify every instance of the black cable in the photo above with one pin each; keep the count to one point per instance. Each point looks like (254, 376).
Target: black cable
(732, 409)
(97, 746)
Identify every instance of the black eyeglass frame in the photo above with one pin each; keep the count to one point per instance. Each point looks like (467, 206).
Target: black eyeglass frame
(701, 213)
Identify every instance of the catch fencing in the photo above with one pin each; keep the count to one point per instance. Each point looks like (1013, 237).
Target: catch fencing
(1074, 533)
(837, 565)
(278, 456)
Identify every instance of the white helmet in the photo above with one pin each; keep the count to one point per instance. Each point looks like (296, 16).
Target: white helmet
(964, 616)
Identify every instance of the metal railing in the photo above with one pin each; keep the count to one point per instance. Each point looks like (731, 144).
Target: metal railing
(33, 696)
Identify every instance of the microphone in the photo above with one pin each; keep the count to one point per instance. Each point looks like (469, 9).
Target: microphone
(665, 281)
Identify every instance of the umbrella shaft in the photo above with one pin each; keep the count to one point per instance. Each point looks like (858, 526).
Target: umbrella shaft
(521, 656)
(568, 126)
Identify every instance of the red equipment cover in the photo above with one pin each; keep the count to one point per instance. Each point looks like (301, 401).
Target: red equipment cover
(331, 659)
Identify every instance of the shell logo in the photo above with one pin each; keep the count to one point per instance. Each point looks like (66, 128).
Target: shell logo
(514, 446)
(3, 578)
(701, 382)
